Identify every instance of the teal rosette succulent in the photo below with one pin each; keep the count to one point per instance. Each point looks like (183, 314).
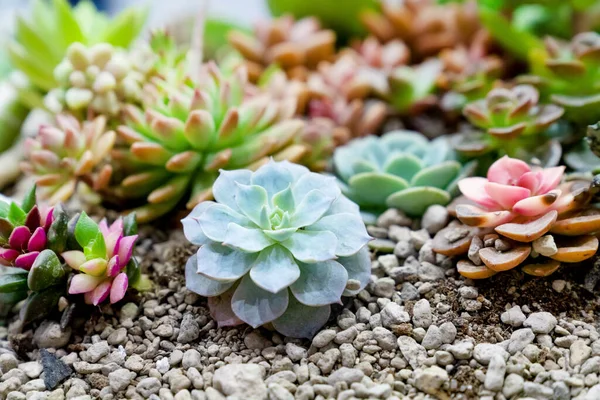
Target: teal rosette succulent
(278, 247)
(401, 169)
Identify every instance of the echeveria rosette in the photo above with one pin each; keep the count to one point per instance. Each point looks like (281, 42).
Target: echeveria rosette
(568, 73)
(187, 132)
(401, 169)
(278, 246)
(539, 221)
(62, 156)
(105, 264)
(510, 119)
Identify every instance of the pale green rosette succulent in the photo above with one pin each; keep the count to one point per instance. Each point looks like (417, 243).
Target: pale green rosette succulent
(401, 169)
(278, 247)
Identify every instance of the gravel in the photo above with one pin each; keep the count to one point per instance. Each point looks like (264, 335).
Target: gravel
(417, 330)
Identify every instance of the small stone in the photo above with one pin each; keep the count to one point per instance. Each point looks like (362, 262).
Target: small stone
(473, 253)
(117, 337)
(540, 322)
(391, 217)
(545, 246)
(393, 314)
(580, 352)
(32, 369)
(323, 338)
(96, 351)
(55, 371)
(385, 339)
(409, 292)
(430, 273)
(422, 316)
(189, 330)
(559, 285)
(382, 245)
(295, 352)
(513, 384)
(384, 287)
(7, 362)
(129, 311)
(243, 380)
(120, 379)
(163, 365)
(513, 317)
(148, 386)
(191, 358)
(468, 292)
(433, 338)
(50, 335)
(483, 352)
(347, 375)
(413, 352)
(430, 380)
(134, 363)
(519, 339)
(537, 390)
(461, 350)
(448, 332)
(444, 358)
(278, 392)
(502, 245)
(435, 218)
(494, 377)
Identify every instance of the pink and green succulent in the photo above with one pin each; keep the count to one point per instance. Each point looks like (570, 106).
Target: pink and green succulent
(102, 264)
(521, 215)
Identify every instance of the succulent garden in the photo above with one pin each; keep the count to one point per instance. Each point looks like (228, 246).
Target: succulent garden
(369, 200)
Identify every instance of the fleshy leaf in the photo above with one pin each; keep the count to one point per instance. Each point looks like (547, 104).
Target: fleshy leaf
(246, 239)
(349, 230)
(40, 304)
(225, 187)
(29, 200)
(46, 271)
(250, 200)
(223, 263)
(415, 201)
(201, 284)
(320, 283)
(13, 282)
(311, 208)
(358, 267)
(274, 269)
(191, 227)
(96, 248)
(215, 219)
(438, 176)
(86, 230)
(301, 321)
(312, 246)
(16, 215)
(256, 306)
(58, 232)
(375, 188)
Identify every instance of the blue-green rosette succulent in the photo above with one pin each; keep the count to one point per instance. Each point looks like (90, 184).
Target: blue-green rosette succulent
(278, 246)
(401, 169)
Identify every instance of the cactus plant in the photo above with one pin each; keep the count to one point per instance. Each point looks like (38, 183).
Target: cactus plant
(278, 246)
(41, 41)
(520, 215)
(105, 264)
(567, 73)
(186, 134)
(296, 46)
(62, 156)
(402, 169)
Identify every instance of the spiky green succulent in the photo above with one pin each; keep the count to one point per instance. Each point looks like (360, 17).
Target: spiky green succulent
(569, 75)
(402, 169)
(279, 246)
(189, 131)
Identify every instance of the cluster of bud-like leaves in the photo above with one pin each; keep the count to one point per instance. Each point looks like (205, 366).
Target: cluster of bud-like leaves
(278, 246)
(520, 215)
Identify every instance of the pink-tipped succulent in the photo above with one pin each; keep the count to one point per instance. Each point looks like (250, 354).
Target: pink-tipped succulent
(23, 232)
(103, 262)
(61, 156)
(520, 215)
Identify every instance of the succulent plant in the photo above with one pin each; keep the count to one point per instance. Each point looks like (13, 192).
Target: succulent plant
(41, 41)
(104, 264)
(410, 89)
(512, 121)
(278, 246)
(187, 133)
(29, 239)
(296, 46)
(99, 80)
(24, 231)
(62, 156)
(339, 91)
(384, 57)
(402, 169)
(520, 215)
(425, 26)
(568, 74)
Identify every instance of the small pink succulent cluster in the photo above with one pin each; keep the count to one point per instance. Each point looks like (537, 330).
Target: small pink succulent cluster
(103, 277)
(512, 189)
(26, 241)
